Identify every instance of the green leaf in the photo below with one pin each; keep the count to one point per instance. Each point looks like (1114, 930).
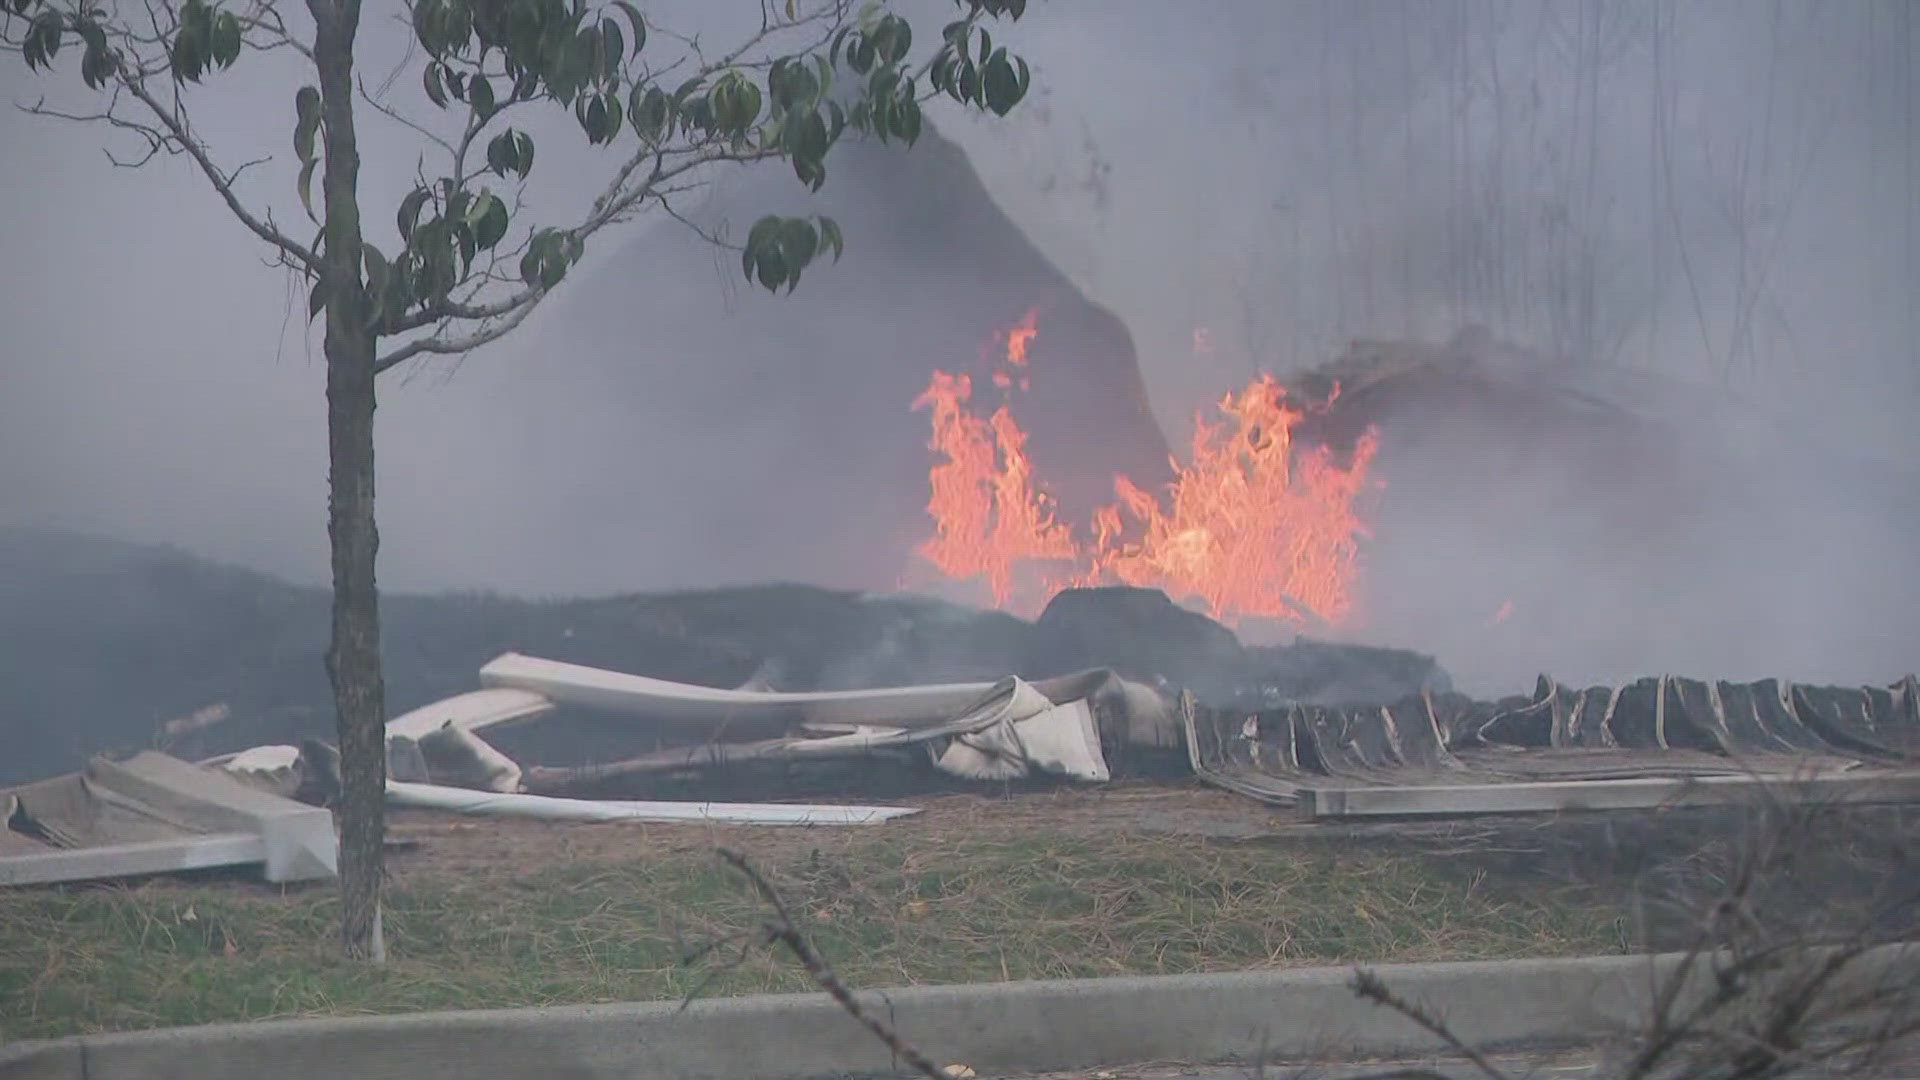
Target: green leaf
(403, 290)
(306, 187)
(306, 110)
(51, 32)
(749, 110)
(409, 216)
(188, 55)
(807, 144)
(469, 244)
(436, 87)
(797, 87)
(764, 232)
(480, 96)
(615, 43)
(456, 27)
(903, 39)
(906, 120)
(426, 26)
(96, 67)
(226, 39)
(488, 216)
(503, 153)
(773, 271)
(523, 152)
(648, 113)
(638, 23)
(595, 120)
(547, 258)
(815, 129)
(798, 241)
(379, 273)
(1000, 84)
(611, 101)
(830, 236)
(317, 298)
(97, 64)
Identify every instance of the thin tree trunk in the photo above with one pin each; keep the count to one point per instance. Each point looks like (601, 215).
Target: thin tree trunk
(353, 658)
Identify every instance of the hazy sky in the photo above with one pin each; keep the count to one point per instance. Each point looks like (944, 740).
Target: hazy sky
(1720, 190)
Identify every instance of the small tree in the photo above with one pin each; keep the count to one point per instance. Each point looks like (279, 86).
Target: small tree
(468, 270)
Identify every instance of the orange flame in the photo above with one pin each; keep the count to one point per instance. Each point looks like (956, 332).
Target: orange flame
(1020, 335)
(1251, 526)
(988, 519)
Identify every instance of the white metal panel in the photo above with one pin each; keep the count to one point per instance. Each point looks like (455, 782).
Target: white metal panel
(461, 800)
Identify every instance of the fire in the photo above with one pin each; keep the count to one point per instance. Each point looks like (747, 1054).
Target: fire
(1017, 337)
(988, 517)
(1020, 335)
(1251, 526)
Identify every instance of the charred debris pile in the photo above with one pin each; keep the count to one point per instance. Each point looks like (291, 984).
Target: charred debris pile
(1088, 691)
(115, 647)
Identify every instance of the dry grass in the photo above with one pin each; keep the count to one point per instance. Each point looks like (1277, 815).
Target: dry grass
(614, 914)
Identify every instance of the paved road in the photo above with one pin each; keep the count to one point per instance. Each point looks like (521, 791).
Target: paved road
(1553, 1065)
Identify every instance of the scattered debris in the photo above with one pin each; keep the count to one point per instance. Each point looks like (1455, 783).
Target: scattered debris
(1332, 730)
(1650, 742)
(458, 800)
(157, 814)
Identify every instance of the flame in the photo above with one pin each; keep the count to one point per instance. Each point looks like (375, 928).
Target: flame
(1251, 526)
(1020, 335)
(989, 519)
(1017, 338)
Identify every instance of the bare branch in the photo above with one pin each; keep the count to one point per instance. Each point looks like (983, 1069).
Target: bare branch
(267, 31)
(222, 182)
(466, 343)
(157, 142)
(395, 115)
(781, 930)
(1369, 986)
(695, 227)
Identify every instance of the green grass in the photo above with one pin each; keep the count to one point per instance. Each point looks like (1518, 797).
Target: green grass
(887, 908)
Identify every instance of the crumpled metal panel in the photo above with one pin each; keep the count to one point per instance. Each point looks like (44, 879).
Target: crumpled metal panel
(1660, 726)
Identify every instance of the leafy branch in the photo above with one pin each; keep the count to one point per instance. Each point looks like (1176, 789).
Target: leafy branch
(807, 77)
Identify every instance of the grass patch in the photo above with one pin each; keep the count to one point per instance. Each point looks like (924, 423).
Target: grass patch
(887, 907)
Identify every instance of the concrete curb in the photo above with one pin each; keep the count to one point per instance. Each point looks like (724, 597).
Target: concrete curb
(1299, 1014)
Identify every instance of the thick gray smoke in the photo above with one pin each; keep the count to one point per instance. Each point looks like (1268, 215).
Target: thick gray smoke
(1719, 192)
